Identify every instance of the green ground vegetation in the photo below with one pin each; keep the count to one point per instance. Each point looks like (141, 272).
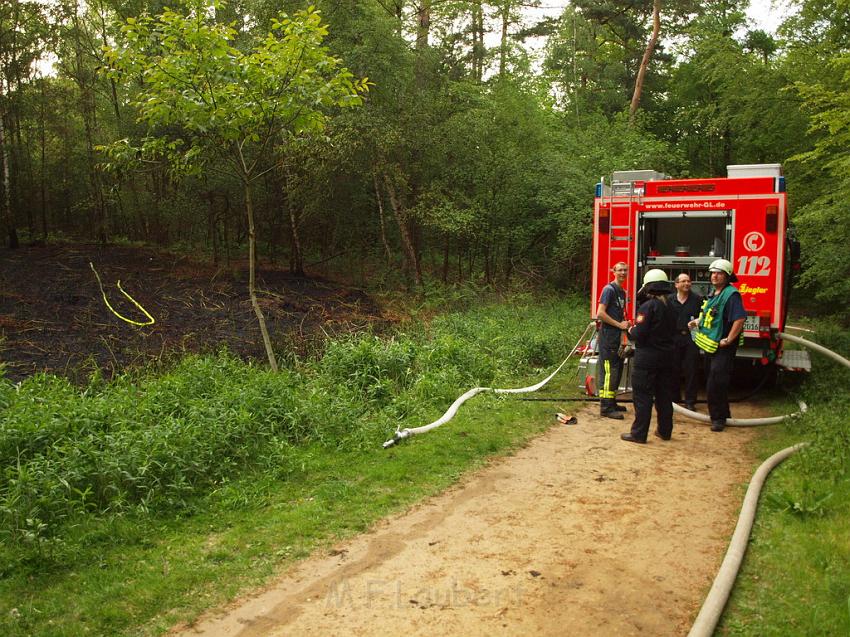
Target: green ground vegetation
(796, 576)
(130, 505)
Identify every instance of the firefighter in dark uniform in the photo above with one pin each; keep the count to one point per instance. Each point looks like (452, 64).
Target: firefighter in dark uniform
(611, 316)
(720, 325)
(686, 304)
(652, 366)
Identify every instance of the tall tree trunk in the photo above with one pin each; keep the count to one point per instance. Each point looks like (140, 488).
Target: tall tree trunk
(503, 43)
(412, 261)
(423, 25)
(647, 55)
(296, 255)
(82, 76)
(252, 290)
(8, 220)
(22, 158)
(212, 231)
(43, 170)
(423, 29)
(478, 41)
(380, 201)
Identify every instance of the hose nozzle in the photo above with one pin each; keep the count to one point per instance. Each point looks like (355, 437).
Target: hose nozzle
(398, 436)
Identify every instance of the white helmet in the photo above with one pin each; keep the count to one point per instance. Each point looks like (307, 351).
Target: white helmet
(722, 265)
(654, 275)
(655, 283)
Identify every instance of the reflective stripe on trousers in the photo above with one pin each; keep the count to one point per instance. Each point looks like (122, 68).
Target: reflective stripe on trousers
(605, 391)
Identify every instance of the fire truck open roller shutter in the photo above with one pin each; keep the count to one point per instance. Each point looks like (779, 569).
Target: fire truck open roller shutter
(683, 214)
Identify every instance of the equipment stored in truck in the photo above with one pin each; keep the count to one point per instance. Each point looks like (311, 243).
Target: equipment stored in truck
(650, 221)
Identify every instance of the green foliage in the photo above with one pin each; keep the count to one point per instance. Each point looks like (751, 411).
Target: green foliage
(492, 176)
(822, 221)
(796, 577)
(827, 458)
(154, 445)
(223, 100)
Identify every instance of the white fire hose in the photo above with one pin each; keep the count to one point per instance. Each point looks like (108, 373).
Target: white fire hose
(712, 608)
(752, 422)
(715, 602)
(400, 435)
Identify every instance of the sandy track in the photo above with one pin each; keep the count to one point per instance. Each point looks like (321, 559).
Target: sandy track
(578, 533)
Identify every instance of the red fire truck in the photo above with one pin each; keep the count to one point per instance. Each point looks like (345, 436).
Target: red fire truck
(648, 220)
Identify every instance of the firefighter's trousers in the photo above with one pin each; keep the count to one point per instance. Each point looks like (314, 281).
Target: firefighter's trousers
(610, 368)
(685, 363)
(648, 386)
(717, 378)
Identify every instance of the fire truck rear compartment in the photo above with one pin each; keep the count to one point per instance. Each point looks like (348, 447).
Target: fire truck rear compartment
(688, 242)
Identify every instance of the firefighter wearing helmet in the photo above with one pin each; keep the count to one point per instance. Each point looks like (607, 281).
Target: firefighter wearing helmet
(652, 366)
(719, 327)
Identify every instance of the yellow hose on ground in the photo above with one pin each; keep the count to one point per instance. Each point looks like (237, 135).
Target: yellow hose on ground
(151, 320)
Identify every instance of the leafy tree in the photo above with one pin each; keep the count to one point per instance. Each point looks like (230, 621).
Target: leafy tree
(726, 105)
(820, 59)
(23, 34)
(203, 99)
(761, 42)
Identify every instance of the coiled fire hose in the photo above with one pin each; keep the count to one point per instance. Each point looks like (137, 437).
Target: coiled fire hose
(400, 435)
(717, 597)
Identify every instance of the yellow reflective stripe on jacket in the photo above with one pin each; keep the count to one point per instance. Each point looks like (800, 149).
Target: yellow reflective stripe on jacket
(705, 343)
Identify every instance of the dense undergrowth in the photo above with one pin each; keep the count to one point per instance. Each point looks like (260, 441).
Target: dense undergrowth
(796, 576)
(130, 505)
(151, 444)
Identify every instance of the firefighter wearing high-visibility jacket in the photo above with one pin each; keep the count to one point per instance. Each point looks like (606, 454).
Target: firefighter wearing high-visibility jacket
(653, 334)
(719, 328)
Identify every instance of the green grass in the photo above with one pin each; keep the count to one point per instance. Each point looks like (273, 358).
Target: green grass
(796, 575)
(129, 506)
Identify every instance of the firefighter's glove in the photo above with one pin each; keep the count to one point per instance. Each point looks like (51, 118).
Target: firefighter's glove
(626, 350)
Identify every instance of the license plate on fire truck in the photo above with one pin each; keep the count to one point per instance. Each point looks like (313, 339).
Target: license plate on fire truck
(751, 324)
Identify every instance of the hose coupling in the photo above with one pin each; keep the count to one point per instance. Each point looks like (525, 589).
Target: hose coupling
(398, 436)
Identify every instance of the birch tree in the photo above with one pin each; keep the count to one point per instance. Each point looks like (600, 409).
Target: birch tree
(208, 104)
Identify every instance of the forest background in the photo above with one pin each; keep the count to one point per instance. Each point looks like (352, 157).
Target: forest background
(392, 144)
(464, 157)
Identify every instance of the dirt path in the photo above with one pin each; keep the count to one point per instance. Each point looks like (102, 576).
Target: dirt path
(578, 533)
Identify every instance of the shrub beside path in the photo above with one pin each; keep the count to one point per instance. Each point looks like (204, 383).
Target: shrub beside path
(577, 533)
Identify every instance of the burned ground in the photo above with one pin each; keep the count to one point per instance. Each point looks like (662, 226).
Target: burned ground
(53, 316)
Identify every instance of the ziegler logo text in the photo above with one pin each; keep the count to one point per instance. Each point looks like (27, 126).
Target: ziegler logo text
(749, 289)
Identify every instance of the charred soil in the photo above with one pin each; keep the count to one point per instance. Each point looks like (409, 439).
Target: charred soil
(53, 316)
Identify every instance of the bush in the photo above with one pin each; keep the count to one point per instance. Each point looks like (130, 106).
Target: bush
(827, 393)
(155, 444)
